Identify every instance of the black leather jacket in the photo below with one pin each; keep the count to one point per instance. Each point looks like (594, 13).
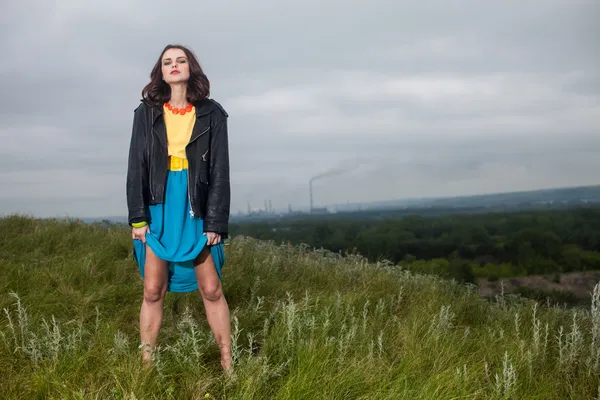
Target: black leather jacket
(208, 159)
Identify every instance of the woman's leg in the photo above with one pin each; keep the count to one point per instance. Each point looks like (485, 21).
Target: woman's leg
(217, 309)
(151, 313)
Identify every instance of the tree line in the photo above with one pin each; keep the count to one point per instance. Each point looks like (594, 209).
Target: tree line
(464, 246)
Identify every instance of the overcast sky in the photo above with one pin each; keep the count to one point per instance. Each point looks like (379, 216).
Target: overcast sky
(464, 97)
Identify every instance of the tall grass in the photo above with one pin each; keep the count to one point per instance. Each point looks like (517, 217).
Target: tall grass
(305, 325)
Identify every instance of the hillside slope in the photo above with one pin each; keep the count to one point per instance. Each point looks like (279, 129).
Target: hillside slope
(305, 325)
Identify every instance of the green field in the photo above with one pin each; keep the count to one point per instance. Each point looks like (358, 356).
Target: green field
(305, 325)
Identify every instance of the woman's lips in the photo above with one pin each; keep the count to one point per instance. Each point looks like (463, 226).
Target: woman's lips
(174, 72)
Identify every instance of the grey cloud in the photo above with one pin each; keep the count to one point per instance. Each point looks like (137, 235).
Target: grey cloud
(462, 97)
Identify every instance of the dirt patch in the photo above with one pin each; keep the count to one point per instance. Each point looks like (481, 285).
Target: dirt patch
(576, 285)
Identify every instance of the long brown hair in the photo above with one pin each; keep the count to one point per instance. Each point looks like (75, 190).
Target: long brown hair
(158, 92)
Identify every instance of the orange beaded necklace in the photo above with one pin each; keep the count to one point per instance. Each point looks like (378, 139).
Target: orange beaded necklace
(180, 111)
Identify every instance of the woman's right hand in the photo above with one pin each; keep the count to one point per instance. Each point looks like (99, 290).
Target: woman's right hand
(139, 233)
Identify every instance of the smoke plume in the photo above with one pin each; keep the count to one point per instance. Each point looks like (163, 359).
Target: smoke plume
(345, 166)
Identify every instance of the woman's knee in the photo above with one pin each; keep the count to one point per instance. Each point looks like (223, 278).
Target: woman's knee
(154, 293)
(211, 291)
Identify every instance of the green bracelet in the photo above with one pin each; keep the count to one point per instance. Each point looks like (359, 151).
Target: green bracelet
(139, 224)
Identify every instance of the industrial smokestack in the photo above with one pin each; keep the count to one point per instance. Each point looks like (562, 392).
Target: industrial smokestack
(346, 166)
(310, 188)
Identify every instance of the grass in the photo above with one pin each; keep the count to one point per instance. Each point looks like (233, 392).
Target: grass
(305, 325)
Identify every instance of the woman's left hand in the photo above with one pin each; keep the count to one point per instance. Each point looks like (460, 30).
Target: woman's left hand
(213, 238)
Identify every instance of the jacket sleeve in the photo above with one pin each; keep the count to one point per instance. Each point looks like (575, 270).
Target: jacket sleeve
(137, 170)
(219, 189)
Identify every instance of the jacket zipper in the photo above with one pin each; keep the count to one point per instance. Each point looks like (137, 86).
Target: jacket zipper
(150, 152)
(189, 196)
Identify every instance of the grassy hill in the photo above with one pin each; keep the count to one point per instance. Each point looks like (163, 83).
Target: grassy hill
(305, 325)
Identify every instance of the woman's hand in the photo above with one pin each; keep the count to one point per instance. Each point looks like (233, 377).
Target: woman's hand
(139, 233)
(213, 238)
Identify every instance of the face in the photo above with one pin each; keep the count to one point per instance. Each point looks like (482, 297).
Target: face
(175, 66)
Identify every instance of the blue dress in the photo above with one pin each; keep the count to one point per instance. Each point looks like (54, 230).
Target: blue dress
(176, 236)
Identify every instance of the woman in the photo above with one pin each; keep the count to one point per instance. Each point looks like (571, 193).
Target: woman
(178, 195)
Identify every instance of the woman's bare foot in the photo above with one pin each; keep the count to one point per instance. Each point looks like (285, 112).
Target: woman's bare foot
(146, 356)
(146, 364)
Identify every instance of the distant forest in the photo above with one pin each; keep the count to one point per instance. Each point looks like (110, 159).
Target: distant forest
(464, 246)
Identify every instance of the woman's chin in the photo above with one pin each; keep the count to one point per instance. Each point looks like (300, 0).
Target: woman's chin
(173, 80)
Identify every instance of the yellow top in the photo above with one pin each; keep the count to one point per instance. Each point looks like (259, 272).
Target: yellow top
(179, 131)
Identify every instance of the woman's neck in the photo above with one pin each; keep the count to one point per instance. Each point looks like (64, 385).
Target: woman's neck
(178, 96)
